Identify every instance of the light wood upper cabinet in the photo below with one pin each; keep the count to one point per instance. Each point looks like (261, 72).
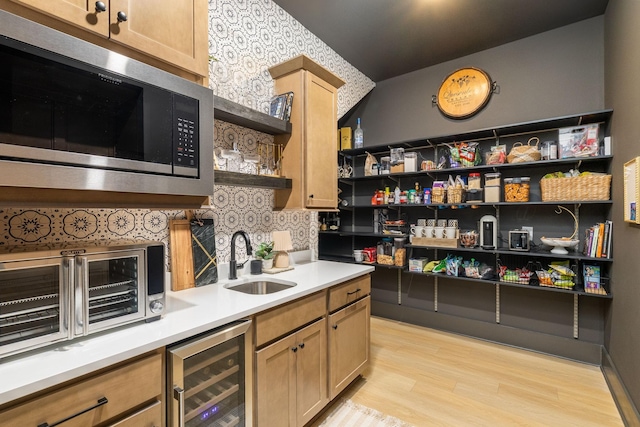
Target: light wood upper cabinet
(310, 157)
(172, 32)
(82, 13)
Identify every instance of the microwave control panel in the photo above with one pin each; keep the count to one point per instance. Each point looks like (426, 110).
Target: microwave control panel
(186, 136)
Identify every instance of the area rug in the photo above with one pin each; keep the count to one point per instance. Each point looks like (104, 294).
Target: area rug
(349, 413)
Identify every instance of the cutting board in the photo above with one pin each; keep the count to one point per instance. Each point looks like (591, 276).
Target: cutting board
(182, 276)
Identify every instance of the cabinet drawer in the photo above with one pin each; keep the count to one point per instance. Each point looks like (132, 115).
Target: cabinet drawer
(151, 416)
(346, 293)
(282, 320)
(124, 388)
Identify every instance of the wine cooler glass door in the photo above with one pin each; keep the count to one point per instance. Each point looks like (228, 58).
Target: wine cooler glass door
(209, 379)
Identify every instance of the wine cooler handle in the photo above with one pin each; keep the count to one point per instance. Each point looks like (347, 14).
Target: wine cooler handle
(101, 401)
(178, 394)
(81, 299)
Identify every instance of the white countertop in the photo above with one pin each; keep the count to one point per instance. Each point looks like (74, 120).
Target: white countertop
(189, 312)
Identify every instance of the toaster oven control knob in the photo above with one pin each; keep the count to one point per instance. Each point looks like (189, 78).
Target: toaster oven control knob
(101, 7)
(156, 306)
(122, 16)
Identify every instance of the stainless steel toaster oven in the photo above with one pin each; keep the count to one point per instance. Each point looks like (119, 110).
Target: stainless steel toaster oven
(49, 295)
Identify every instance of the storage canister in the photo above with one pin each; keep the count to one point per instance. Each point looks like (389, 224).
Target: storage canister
(473, 183)
(516, 189)
(492, 179)
(410, 162)
(385, 165)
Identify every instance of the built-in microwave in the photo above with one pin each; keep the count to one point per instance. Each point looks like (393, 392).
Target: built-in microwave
(54, 294)
(78, 116)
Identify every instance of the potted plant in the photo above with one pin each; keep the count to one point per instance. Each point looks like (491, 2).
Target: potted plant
(266, 254)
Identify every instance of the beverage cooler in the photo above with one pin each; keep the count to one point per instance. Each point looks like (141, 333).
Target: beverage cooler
(209, 379)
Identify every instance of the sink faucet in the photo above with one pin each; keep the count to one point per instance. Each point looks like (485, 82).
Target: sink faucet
(233, 266)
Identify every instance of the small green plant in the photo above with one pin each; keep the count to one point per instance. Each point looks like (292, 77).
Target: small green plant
(265, 251)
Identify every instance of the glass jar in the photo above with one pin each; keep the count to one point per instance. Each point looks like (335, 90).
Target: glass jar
(474, 181)
(410, 162)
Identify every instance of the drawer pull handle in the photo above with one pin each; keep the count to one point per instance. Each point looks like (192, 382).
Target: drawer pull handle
(101, 401)
(354, 292)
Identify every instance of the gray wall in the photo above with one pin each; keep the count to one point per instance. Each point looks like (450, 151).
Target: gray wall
(560, 72)
(622, 338)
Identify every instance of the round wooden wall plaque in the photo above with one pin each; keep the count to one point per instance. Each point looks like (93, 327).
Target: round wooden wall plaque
(464, 92)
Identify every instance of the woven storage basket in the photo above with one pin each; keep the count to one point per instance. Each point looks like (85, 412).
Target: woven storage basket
(438, 195)
(525, 153)
(455, 194)
(588, 187)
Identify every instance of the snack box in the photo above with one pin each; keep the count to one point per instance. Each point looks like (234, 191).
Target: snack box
(417, 264)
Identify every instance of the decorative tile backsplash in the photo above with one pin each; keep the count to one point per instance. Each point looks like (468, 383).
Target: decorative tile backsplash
(247, 37)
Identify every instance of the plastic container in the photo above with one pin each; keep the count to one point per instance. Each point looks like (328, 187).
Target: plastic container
(474, 181)
(492, 179)
(410, 162)
(516, 189)
(492, 194)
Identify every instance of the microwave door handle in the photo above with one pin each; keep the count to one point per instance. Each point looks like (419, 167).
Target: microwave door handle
(82, 296)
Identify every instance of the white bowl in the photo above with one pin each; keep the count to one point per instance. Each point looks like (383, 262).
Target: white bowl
(559, 244)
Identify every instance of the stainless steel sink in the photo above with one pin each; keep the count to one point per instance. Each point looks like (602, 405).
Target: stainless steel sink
(260, 287)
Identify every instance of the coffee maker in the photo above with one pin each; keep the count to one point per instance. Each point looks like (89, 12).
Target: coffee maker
(488, 232)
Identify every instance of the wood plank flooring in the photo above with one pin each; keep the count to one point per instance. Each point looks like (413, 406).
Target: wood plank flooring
(431, 378)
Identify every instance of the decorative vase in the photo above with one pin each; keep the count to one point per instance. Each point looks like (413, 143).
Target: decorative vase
(267, 264)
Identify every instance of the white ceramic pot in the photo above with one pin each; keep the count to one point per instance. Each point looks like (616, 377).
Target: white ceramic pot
(267, 264)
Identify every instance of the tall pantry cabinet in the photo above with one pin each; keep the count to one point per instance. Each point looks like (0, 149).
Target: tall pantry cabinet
(309, 155)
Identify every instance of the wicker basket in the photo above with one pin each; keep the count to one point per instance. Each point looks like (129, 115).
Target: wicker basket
(455, 194)
(438, 195)
(588, 187)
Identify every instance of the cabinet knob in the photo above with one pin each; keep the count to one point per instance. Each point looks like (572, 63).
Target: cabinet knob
(311, 196)
(294, 349)
(335, 326)
(122, 17)
(301, 345)
(100, 6)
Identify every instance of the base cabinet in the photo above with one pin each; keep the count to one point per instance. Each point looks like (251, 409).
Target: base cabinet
(349, 336)
(129, 395)
(291, 378)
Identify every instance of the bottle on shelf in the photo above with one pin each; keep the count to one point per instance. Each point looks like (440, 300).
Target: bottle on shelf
(358, 137)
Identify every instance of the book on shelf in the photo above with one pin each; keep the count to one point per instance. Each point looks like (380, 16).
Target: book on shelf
(591, 274)
(597, 240)
(281, 106)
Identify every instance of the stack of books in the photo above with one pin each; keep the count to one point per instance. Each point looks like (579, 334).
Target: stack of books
(598, 240)
(281, 106)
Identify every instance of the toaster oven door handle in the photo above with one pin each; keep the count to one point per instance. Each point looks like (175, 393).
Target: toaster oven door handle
(82, 296)
(68, 270)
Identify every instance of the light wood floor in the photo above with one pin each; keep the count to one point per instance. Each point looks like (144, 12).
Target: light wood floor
(431, 378)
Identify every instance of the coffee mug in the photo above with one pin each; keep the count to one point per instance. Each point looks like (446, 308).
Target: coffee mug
(358, 255)
(450, 232)
(442, 223)
(422, 222)
(428, 231)
(418, 230)
(438, 232)
(431, 222)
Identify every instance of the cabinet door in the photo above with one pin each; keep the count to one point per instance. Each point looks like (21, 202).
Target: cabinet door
(320, 133)
(311, 371)
(349, 343)
(81, 13)
(172, 31)
(276, 383)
